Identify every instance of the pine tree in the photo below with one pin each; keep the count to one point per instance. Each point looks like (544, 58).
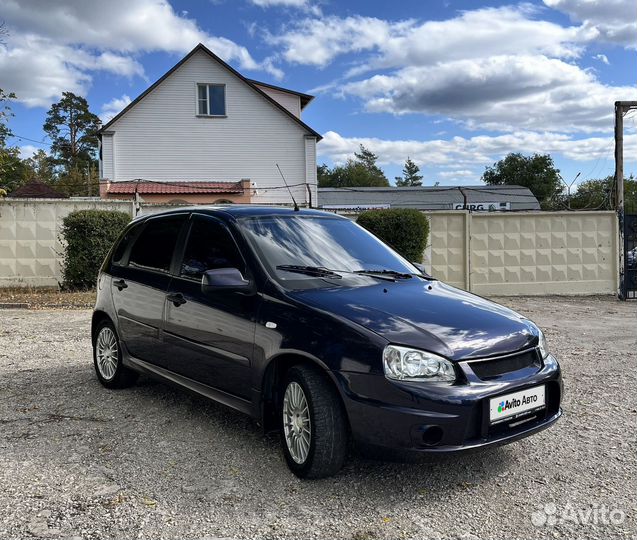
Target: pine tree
(410, 175)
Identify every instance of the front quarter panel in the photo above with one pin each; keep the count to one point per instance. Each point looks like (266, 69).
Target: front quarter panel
(286, 327)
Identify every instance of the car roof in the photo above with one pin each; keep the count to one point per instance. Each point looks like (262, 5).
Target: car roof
(241, 211)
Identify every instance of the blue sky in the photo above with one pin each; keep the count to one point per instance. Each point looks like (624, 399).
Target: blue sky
(455, 85)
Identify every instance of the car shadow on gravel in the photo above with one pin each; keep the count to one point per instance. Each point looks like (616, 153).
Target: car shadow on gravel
(151, 427)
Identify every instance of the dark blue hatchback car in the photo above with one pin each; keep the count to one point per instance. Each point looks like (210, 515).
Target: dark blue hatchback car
(314, 327)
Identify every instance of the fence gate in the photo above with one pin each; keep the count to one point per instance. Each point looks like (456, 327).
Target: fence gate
(630, 257)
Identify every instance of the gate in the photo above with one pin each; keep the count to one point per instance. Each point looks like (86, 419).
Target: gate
(629, 288)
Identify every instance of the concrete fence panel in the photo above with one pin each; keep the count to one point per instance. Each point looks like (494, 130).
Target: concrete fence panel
(517, 253)
(30, 248)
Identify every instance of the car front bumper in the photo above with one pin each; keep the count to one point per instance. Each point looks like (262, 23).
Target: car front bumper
(443, 418)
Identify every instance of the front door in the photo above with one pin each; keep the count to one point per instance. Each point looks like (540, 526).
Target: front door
(210, 338)
(139, 285)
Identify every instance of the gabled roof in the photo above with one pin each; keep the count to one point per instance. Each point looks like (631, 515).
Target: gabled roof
(145, 187)
(252, 84)
(36, 189)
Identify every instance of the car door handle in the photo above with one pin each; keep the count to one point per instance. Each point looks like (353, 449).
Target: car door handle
(120, 284)
(177, 299)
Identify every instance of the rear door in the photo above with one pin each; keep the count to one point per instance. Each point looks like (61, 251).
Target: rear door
(210, 338)
(139, 284)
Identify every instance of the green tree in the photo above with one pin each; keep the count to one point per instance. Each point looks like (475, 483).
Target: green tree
(72, 128)
(39, 167)
(368, 159)
(410, 177)
(359, 172)
(5, 114)
(14, 172)
(599, 194)
(323, 174)
(536, 172)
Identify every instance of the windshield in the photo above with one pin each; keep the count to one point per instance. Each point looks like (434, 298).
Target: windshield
(319, 242)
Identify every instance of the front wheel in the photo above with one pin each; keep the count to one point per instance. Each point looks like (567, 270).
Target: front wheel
(314, 424)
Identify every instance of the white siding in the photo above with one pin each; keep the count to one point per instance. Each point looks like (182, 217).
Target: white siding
(290, 101)
(161, 138)
(310, 168)
(107, 157)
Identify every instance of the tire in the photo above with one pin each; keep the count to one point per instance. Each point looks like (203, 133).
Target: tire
(324, 453)
(107, 358)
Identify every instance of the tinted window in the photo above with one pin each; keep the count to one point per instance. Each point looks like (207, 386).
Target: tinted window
(120, 250)
(209, 246)
(154, 247)
(327, 242)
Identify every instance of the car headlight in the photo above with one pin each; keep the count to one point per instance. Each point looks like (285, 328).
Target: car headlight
(543, 345)
(406, 364)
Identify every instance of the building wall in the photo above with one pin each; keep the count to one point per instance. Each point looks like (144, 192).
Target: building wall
(291, 102)
(162, 138)
(519, 253)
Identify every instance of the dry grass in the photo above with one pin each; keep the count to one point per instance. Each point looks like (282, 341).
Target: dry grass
(45, 298)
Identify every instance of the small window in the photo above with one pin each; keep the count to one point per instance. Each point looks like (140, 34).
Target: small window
(209, 246)
(211, 99)
(153, 250)
(120, 250)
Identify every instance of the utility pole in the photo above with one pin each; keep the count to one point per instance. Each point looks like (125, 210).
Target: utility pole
(621, 108)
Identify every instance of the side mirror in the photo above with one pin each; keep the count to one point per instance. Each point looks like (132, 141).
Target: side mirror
(421, 268)
(225, 279)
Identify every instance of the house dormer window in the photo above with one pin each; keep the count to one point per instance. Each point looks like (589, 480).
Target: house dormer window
(211, 99)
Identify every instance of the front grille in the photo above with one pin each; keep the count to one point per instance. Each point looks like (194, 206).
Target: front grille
(489, 369)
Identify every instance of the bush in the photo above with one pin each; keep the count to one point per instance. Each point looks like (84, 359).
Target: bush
(404, 229)
(89, 235)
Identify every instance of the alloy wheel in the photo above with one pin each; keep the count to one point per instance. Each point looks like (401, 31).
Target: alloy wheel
(297, 426)
(107, 353)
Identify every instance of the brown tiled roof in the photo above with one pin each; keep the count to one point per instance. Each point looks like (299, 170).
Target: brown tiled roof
(146, 187)
(36, 189)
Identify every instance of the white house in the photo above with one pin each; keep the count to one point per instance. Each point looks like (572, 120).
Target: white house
(202, 131)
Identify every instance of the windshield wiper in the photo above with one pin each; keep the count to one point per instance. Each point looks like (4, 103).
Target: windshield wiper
(384, 274)
(317, 271)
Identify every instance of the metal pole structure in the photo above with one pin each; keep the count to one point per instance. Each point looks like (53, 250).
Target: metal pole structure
(619, 190)
(621, 108)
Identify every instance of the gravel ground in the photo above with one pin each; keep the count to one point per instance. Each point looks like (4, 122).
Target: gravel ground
(79, 461)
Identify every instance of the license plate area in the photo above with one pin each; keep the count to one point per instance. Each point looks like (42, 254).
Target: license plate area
(510, 407)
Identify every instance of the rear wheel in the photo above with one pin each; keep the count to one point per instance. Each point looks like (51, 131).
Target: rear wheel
(107, 358)
(314, 424)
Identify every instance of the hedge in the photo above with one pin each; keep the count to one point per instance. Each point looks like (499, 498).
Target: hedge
(404, 229)
(89, 235)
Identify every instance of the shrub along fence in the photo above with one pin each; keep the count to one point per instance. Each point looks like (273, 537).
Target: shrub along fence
(88, 235)
(406, 230)
(512, 253)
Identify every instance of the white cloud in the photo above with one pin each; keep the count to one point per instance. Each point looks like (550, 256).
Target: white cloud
(501, 69)
(113, 107)
(502, 93)
(473, 34)
(285, 3)
(602, 58)
(27, 151)
(304, 5)
(614, 21)
(54, 46)
(465, 154)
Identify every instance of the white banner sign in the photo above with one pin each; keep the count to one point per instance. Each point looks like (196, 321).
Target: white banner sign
(483, 206)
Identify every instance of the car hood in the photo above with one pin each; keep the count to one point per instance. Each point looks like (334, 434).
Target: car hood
(428, 315)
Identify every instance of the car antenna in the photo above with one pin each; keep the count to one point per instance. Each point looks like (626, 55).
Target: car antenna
(296, 206)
